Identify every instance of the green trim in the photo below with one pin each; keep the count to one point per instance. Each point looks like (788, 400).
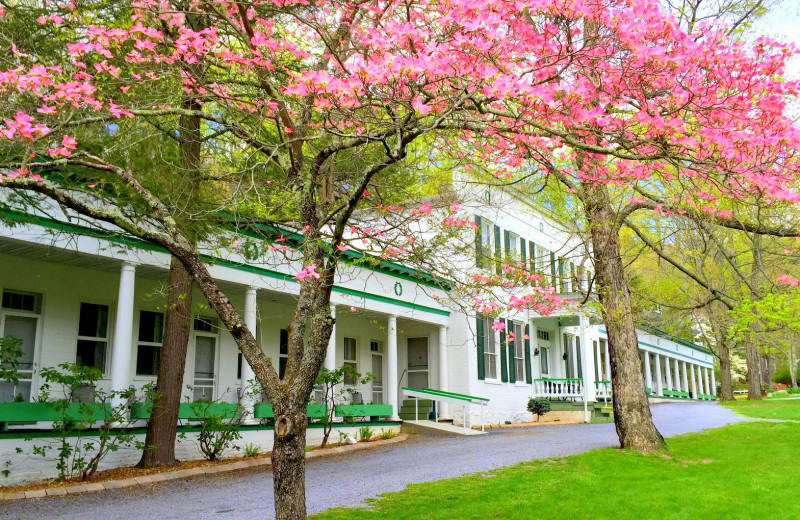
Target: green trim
(140, 244)
(672, 352)
(442, 393)
(363, 410)
(676, 339)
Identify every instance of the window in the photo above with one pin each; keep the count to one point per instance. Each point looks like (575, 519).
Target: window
(512, 249)
(21, 301)
(562, 278)
(151, 335)
(350, 351)
(283, 352)
(519, 352)
(204, 325)
(92, 336)
(543, 335)
(542, 255)
(544, 359)
(487, 242)
(490, 352)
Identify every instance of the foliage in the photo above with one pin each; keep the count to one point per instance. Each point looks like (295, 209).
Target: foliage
(10, 352)
(365, 433)
(711, 474)
(219, 428)
(782, 376)
(251, 449)
(539, 406)
(332, 383)
(386, 434)
(90, 425)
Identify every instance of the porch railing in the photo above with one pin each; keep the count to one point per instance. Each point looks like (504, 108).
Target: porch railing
(603, 390)
(563, 388)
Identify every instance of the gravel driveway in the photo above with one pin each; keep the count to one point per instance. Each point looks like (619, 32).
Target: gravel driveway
(346, 480)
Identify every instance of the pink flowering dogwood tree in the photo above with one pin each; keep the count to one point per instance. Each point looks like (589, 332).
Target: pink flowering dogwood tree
(312, 105)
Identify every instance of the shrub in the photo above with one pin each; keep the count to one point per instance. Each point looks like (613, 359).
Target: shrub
(793, 390)
(782, 375)
(365, 433)
(386, 434)
(251, 449)
(539, 406)
(218, 429)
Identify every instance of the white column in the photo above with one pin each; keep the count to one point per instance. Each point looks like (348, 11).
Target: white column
(391, 376)
(700, 380)
(599, 367)
(694, 382)
(608, 363)
(587, 368)
(677, 376)
(574, 353)
(685, 380)
(659, 384)
(330, 353)
(705, 380)
(648, 373)
(444, 410)
(536, 367)
(713, 382)
(669, 373)
(123, 332)
(251, 320)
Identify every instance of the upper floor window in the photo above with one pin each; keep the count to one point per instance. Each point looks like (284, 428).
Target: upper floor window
(21, 301)
(519, 352)
(92, 336)
(490, 353)
(486, 244)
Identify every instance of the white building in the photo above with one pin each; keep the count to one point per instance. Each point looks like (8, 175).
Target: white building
(78, 295)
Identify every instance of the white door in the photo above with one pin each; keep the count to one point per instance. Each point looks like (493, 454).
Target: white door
(21, 327)
(418, 362)
(205, 364)
(377, 383)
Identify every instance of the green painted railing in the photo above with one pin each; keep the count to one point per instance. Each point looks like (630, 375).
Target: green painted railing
(34, 412)
(363, 410)
(441, 393)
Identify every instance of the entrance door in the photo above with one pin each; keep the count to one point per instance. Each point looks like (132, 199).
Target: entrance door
(418, 362)
(377, 383)
(24, 328)
(205, 350)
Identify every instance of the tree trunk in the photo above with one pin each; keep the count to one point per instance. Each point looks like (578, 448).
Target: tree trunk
(725, 379)
(792, 361)
(163, 425)
(289, 465)
(632, 415)
(753, 369)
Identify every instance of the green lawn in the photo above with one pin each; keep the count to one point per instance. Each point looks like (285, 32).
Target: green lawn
(742, 471)
(767, 408)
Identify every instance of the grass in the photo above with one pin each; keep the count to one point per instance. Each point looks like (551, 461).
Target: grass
(767, 408)
(728, 472)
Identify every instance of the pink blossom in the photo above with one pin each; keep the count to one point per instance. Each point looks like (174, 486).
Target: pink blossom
(785, 279)
(496, 325)
(308, 271)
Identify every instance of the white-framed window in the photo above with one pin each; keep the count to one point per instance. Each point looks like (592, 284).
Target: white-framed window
(350, 358)
(487, 243)
(19, 317)
(283, 352)
(490, 352)
(519, 351)
(543, 335)
(543, 262)
(92, 336)
(513, 248)
(206, 338)
(151, 337)
(376, 350)
(544, 360)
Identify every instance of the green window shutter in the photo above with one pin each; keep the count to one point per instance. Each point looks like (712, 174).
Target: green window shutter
(522, 253)
(503, 356)
(553, 269)
(498, 250)
(532, 255)
(479, 326)
(478, 250)
(528, 375)
(512, 364)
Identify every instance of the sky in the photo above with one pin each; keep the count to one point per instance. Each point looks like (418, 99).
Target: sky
(783, 24)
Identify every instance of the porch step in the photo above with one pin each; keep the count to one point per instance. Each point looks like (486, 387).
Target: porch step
(409, 407)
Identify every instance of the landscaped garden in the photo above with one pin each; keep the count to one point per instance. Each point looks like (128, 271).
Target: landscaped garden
(727, 472)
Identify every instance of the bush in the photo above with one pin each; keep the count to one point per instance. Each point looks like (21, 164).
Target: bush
(386, 434)
(251, 449)
(365, 433)
(539, 406)
(792, 390)
(782, 375)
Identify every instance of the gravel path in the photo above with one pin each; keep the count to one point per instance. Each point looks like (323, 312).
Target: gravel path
(347, 480)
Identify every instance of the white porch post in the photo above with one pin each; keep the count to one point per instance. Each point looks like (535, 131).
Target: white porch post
(330, 353)
(251, 320)
(659, 384)
(694, 382)
(536, 367)
(574, 354)
(713, 382)
(587, 366)
(444, 408)
(123, 332)
(391, 376)
(608, 363)
(599, 364)
(677, 376)
(685, 379)
(669, 373)
(648, 373)
(705, 380)
(700, 386)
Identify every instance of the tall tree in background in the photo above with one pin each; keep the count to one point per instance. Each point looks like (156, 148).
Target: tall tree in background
(312, 107)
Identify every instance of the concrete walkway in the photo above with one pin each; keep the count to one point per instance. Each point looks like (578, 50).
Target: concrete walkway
(348, 480)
